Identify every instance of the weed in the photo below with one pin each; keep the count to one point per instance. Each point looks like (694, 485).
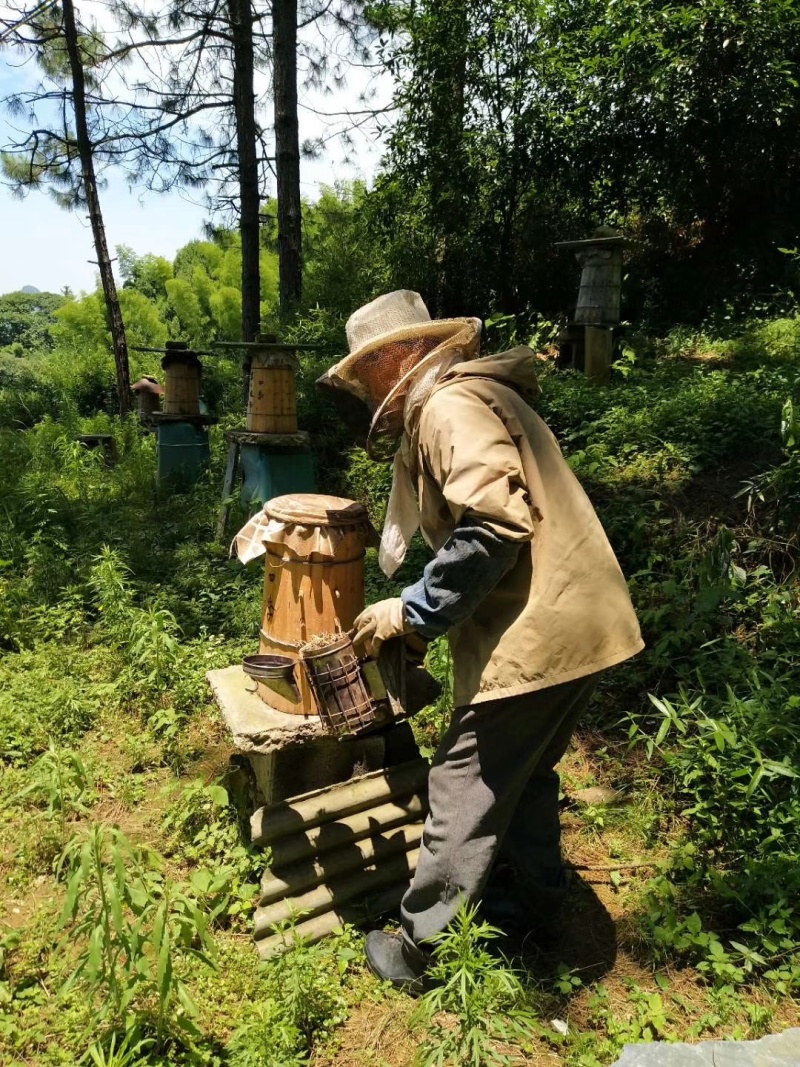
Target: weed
(130, 927)
(648, 1017)
(109, 580)
(487, 999)
(128, 1051)
(734, 762)
(305, 1005)
(59, 782)
(204, 829)
(153, 647)
(566, 981)
(430, 723)
(39, 705)
(311, 995)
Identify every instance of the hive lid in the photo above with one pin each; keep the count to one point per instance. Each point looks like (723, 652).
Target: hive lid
(316, 509)
(312, 521)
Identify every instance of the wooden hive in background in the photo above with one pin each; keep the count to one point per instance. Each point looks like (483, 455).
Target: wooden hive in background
(272, 398)
(182, 382)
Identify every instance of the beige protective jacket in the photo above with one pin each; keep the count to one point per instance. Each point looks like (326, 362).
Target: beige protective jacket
(563, 611)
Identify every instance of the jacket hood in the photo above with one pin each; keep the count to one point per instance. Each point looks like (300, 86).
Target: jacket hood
(516, 368)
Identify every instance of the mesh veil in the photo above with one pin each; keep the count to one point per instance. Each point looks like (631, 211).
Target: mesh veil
(406, 398)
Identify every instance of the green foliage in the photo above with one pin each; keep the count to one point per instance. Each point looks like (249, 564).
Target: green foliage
(36, 707)
(648, 1017)
(306, 1002)
(486, 997)
(268, 1033)
(153, 646)
(430, 723)
(129, 1052)
(147, 637)
(775, 493)
(370, 483)
(521, 124)
(342, 269)
(205, 831)
(135, 932)
(26, 320)
(60, 783)
(734, 762)
(196, 299)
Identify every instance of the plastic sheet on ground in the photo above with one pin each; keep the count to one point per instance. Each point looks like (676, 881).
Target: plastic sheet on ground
(775, 1050)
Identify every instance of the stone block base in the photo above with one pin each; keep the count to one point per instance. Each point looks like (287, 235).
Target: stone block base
(291, 754)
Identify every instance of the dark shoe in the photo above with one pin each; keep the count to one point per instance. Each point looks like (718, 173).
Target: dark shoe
(389, 959)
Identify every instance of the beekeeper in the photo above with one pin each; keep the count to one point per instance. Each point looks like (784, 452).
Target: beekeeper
(523, 582)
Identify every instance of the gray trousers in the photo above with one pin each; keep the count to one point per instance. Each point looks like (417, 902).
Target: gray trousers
(493, 795)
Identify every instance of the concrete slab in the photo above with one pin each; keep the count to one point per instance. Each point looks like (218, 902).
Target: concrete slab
(775, 1050)
(254, 725)
(291, 754)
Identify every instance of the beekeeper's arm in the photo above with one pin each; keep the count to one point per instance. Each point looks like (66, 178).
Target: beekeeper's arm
(468, 453)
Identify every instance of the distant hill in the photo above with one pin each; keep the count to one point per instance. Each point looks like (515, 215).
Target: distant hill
(30, 289)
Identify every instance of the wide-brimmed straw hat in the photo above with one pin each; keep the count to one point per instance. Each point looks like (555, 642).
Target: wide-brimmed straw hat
(386, 356)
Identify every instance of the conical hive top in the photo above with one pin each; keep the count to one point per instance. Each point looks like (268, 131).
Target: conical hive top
(316, 509)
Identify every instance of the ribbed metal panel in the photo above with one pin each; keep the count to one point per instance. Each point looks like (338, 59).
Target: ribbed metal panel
(346, 853)
(367, 910)
(276, 821)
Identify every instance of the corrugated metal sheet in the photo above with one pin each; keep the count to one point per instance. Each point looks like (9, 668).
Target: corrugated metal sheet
(341, 854)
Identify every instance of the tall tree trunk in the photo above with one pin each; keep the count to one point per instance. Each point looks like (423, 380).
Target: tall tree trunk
(287, 152)
(241, 20)
(446, 152)
(85, 149)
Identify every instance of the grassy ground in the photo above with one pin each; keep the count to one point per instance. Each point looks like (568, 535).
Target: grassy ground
(600, 978)
(126, 882)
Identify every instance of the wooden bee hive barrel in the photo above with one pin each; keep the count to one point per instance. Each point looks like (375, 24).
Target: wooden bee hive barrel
(148, 394)
(601, 284)
(313, 580)
(183, 374)
(272, 400)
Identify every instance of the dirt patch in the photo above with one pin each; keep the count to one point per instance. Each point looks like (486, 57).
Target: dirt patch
(381, 1035)
(375, 1035)
(17, 911)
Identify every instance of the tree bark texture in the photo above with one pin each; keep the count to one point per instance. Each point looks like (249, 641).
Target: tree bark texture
(446, 152)
(287, 152)
(241, 22)
(85, 153)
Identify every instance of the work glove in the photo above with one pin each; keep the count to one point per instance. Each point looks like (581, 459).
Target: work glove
(380, 623)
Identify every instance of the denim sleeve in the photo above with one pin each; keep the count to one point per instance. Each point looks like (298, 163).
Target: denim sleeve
(457, 579)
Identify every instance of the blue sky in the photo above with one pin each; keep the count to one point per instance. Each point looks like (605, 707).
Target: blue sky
(44, 246)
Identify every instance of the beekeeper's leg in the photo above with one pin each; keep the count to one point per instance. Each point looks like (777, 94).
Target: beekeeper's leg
(528, 884)
(479, 774)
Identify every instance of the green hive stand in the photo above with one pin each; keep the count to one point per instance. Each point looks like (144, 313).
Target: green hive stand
(272, 464)
(273, 470)
(183, 449)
